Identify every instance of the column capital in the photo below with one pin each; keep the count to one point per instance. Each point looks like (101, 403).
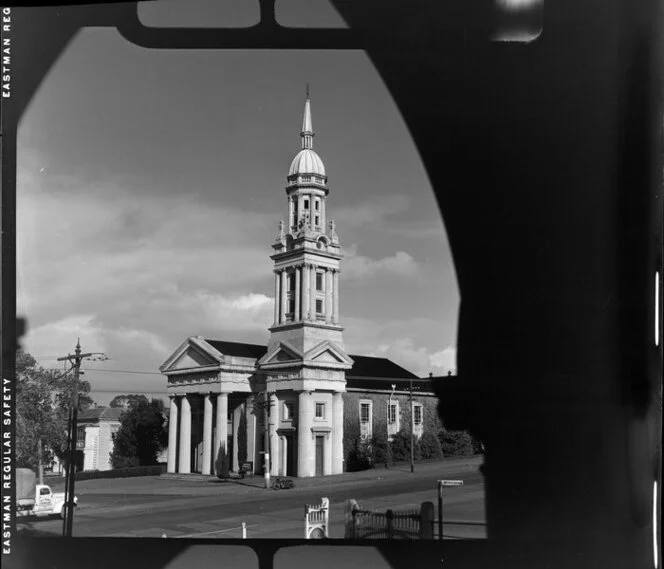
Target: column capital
(172, 395)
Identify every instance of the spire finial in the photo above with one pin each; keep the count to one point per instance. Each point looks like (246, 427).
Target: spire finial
(307, 133)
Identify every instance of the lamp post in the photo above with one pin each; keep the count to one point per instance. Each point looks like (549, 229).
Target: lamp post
(389, 411)
(412, 429)
(70, 479)
(265, 405)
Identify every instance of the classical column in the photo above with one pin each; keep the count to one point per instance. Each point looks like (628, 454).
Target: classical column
(276, 298)
(284, 298)
(207, 434)
(222, 434)
(250, 413)
(328, 295)
(312, 293)
(237, 413)
(172, 435)
(305, 447)
(335, 297)
(337, 432)
(185, 437)
(306, 310)
(274, 436)
(296, 316)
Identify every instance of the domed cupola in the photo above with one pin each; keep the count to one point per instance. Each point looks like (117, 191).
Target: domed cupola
(307, 167)
(306, 161)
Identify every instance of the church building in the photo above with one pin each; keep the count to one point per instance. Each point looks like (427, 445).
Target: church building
(234, 402)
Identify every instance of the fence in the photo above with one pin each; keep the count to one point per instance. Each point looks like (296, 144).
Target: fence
(316, 520)
(373, 524)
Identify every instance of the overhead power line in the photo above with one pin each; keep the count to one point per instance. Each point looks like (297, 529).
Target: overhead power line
(137, 372)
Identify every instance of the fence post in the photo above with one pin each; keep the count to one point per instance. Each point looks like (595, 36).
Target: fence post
(388, 516)
(244, 530)
(440, 510)
(306, 521)
(326, 515)
(426, 520)
(351, 506)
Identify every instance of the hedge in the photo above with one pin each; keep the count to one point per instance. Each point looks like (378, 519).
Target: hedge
(155, 470)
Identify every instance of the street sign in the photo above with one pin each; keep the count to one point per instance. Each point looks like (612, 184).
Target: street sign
(451, 482)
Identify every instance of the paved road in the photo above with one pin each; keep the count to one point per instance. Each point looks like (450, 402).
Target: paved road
(156, 506)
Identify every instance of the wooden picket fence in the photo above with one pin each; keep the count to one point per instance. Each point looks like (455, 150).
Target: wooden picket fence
(390, 524)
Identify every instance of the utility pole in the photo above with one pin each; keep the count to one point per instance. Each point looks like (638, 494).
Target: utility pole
(265, 404)
(70, 479)
(266, 440)
(412, 429)
(40, 450)
(388, 444)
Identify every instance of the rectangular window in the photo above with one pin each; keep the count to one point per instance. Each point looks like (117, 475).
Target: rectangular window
(392, 414)
(320, 410)
(366, 419)
(317, 205)
(319, 281)
(418, 427)
(417, 414)
(393, 425)
(287, 411)
(306, 204)
(319, 306)
(317, 220)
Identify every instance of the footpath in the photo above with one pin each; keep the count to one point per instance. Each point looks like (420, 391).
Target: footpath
(192, 485)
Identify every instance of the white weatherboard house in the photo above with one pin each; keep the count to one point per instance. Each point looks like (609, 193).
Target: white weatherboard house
(219, 390)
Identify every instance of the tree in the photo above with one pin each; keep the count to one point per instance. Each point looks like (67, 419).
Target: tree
(43, 399)
(127, 401)
(142, 435)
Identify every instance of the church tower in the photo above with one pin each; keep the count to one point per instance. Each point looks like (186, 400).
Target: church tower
(305, 363)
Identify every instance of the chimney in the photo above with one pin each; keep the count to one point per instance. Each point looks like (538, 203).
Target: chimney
(430, 374)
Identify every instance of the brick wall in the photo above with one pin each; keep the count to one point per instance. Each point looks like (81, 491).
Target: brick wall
(430, 419)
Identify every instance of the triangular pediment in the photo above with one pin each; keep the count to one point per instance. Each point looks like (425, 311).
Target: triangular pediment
(327, 356)
(192, 358)
(283, 353)
(192, 353)
(328, 352)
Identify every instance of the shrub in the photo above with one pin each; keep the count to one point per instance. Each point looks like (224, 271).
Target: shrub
(379, 449)
(429, 446)
(359, 456)
(155, 470)
(400, 447)
(456, 443)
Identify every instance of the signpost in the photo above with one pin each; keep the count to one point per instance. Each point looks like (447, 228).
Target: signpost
(441, 485)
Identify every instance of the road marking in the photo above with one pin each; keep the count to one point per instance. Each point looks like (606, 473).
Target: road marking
(218, 531)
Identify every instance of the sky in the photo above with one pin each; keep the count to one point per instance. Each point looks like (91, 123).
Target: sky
(150, 187)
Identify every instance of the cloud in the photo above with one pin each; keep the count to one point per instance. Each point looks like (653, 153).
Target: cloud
(443, 361)
(359, 267)
(102, 247)
(372, 211)
(400, 341)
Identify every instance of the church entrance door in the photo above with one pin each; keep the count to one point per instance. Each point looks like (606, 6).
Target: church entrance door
(320, 442)
(291, 444)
